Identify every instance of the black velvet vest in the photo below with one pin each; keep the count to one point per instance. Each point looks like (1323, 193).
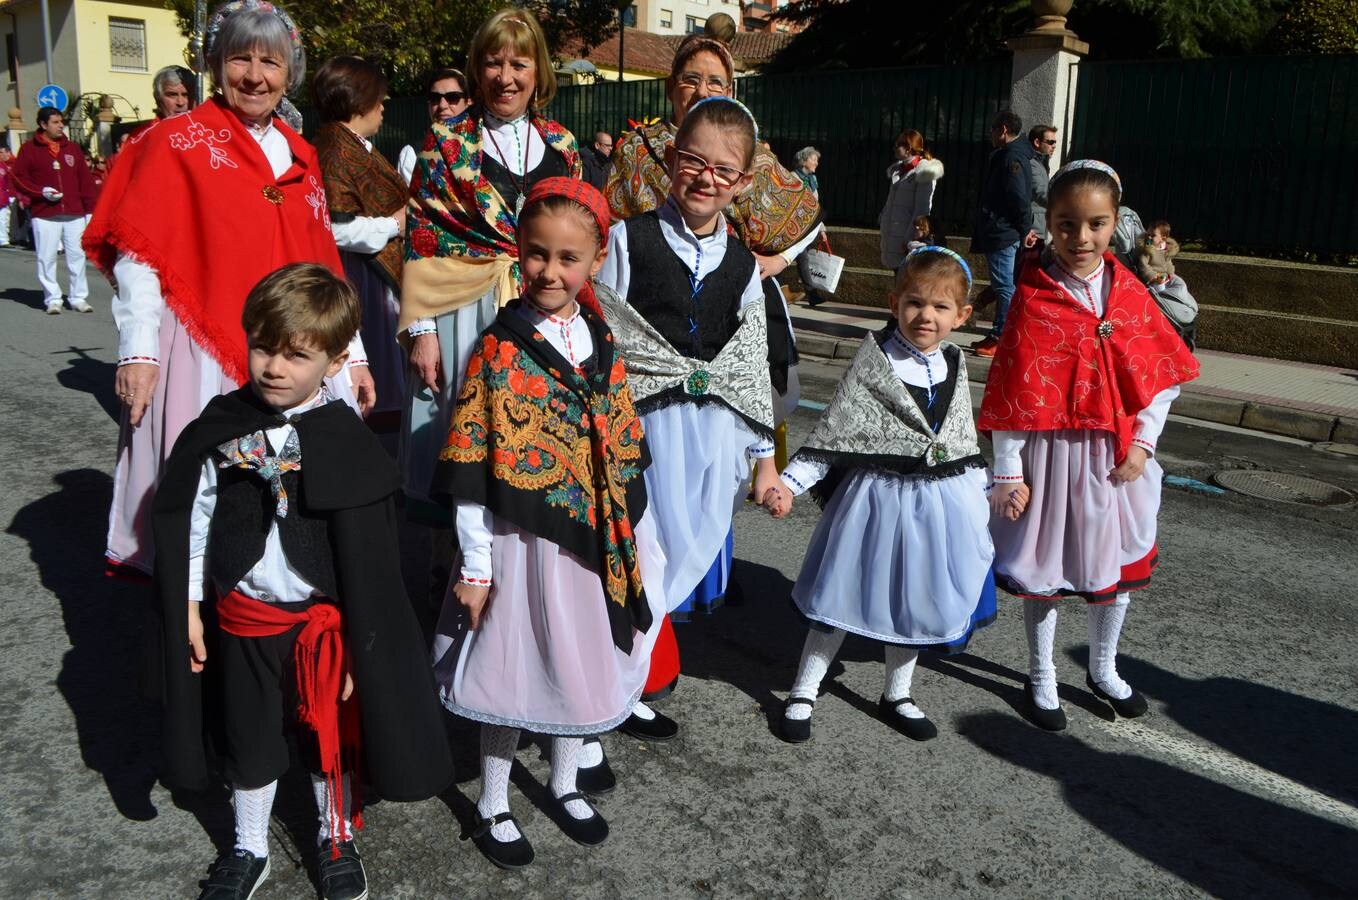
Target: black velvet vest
(240, 525)
(553, 164)
(661, 291)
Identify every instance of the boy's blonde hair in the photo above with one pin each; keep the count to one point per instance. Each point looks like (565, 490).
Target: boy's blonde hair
(519, 31)
(934, 268)
(301, 304)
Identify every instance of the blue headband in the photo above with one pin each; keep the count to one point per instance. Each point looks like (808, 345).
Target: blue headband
(930, 248)
(1094, 164)
(722, 98)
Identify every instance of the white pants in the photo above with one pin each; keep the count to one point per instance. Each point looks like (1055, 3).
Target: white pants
(4, 224)
(48, 234)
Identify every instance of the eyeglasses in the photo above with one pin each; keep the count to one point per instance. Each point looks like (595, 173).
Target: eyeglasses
(693, 165)
(1049, 143)
(715, 83)
(453, 97)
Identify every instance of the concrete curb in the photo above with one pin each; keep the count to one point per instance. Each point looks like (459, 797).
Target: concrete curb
(1249, 414)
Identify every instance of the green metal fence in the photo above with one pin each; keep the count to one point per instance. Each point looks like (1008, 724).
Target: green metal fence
(852, 117)
(1256, 153)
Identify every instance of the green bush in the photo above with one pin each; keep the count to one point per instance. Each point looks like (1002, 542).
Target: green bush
(1318, 26)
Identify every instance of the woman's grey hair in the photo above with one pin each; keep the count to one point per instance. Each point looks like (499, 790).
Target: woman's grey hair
(256, 29)
(805, 154)
(168, 76)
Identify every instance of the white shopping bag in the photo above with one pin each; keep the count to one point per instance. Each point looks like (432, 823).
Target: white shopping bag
(820, 269)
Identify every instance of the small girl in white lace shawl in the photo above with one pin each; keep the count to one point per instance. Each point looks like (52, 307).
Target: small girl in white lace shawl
(902, 552)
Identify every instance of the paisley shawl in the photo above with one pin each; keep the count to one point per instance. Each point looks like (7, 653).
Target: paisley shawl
(776, 212)
(557, 452)
(361, 183)
(1058, 366)
(456, 217)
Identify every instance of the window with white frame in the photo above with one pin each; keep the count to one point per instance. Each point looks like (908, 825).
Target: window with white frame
(127, 44)
(667, 18)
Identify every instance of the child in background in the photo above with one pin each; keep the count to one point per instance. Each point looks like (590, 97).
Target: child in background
(1075, 402)
(902, 553)
(927, 234)
(1155, 265)
(1155, 258)
(276, 522)
(689, 318)
(550, 625)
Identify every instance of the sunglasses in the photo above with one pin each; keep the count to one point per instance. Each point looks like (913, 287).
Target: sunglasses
(1049, 143)
(693, 165)
(451, 96)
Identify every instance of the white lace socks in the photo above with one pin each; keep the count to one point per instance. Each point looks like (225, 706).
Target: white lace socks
(1105, 627)
(1039, 620)
(252, 817)
(565, 755)
(321, 788)
(900, 671)
(817, 654)
(497, 758)
(591, 753)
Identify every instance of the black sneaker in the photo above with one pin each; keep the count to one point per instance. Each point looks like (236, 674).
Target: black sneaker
(235, 876)
(342, 877)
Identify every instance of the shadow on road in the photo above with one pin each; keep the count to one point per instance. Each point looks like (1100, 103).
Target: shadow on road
(117, 730)
(1223, 841)
(91, 376)
(27, 296)
(1309, 741)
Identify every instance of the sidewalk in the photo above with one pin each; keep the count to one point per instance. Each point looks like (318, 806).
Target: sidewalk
(1299, 400)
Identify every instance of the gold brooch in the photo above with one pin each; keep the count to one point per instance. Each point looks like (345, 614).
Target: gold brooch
(1105, 329)
(273, 194)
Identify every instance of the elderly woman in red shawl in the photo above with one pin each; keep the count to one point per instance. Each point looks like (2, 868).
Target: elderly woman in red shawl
(462, 252)
(250, 199)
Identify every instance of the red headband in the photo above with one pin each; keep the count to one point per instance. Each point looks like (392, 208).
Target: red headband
(582, 192)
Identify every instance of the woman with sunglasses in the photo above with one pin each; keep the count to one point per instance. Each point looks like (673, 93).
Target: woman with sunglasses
(445, 90)
(913, 175)
(462, 254)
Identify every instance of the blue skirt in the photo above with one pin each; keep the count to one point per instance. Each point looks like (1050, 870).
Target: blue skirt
(711, 591)
(985, 614)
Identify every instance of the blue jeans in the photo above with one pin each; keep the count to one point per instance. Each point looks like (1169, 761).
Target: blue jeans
(1001, 265)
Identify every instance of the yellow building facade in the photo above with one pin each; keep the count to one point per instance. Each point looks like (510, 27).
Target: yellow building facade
(109, 47)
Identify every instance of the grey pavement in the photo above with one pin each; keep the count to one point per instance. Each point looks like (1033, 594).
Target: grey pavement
(1240, 783)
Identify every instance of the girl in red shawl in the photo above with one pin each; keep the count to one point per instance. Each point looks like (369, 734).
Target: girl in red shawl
(1075, 401)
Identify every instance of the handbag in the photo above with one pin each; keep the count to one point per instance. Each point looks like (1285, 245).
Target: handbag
(820, 270)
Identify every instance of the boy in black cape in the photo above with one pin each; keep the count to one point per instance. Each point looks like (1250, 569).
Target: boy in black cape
(279, 599)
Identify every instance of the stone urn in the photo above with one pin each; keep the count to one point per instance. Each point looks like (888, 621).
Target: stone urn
(1050, 15)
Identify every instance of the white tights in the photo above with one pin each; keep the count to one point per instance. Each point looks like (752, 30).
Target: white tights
(1105, 629)
(819, 651)
(498, 744)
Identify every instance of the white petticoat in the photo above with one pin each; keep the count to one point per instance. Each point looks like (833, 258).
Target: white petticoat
(543, 657)
(698, 472)
(901, 560)
(1080, 528)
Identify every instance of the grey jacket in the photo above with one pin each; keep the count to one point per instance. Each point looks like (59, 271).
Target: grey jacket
(1038, 165)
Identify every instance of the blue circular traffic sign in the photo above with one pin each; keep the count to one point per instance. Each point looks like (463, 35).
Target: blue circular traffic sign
(53, 95)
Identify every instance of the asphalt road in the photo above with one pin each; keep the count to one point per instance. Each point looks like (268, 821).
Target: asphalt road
(1241, 782)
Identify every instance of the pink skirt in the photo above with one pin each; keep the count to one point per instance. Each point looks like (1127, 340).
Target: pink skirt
(543, 657)
(1082, 535)
(189, 379)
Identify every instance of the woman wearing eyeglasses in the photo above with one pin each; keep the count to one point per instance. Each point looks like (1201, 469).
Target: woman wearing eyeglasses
(445, 90)
(913, 175)
(469, 183)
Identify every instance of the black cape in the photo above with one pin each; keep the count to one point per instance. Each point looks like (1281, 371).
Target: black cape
(347, 476)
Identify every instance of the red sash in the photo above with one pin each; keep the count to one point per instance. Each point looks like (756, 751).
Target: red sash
(1058, 366)
(320, 662)
(197, 201)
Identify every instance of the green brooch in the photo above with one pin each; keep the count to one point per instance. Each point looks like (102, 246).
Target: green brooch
(697, 383)
(940, 454)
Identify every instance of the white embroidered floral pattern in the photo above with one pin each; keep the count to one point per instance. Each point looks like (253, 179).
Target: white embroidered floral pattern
(195, 134)
(320, 210)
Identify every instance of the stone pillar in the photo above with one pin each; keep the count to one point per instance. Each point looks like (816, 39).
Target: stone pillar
(17, 129)
(1044, 74)
(104, 120)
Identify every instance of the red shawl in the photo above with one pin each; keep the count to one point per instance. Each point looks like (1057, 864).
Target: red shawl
(1058, 366)
(197, 201)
